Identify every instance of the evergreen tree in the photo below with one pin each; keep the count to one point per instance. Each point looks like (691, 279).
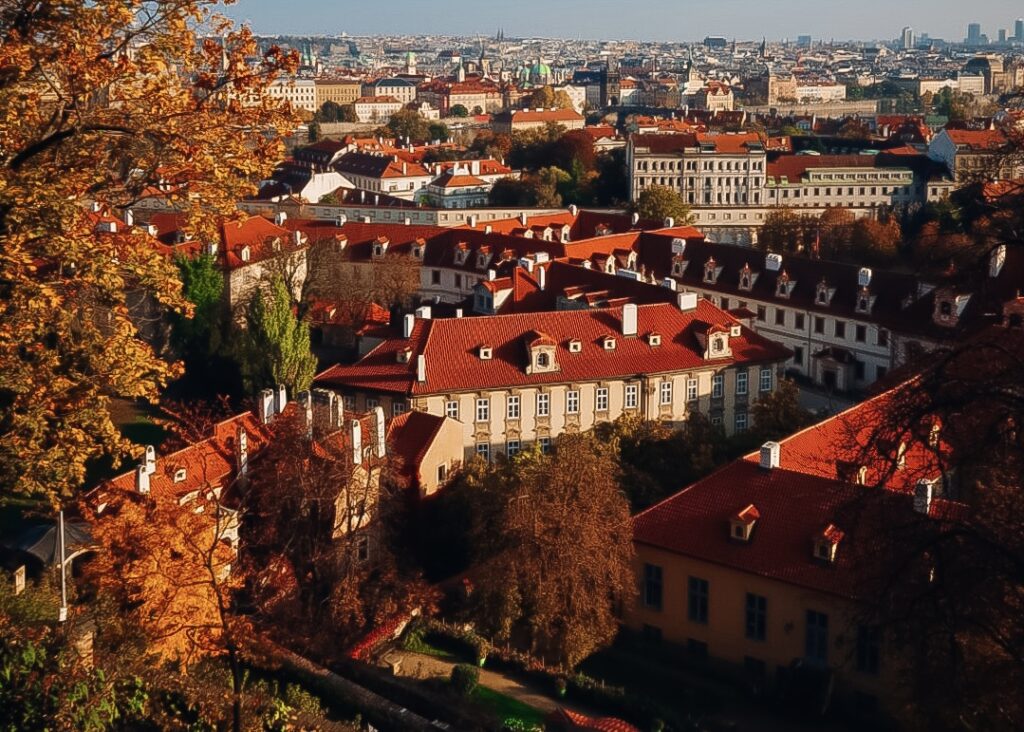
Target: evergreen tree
(276, 347)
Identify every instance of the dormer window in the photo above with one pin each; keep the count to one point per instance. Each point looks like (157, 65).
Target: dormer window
(483, 257)
(711, 271)
(783, 285)
(945, 308)
(180, 474)
(864, 300)
(826, 544)
(678, 266)
(735, 330)
(741, 525)
(575, 346)
(746, 278)
(380, 246)
(404, 355)
(609, 343)
(719, 344)
(654, 340)
(823, 295)
(246, 253)
(461, 252)
(417, 248)
(543, 360)
(485, 353)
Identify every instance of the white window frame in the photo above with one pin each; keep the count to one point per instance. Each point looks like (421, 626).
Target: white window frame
(397, 408)
(451, 408)
(483, 449)
(601, 399)
(545, 444)
(742, 383)
(543, 404)
(692, 391)
(483, 409)
(718, 386)
(512, 447)
(665, 393)
(512, 410)
(572, 401)
(741, 421)
(765, 380)
(631, 397)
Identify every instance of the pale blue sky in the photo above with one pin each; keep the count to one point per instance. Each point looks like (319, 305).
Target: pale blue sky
(639, 19)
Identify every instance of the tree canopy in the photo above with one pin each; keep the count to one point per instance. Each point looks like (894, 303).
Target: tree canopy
(661, 202)
(275, 346)
(101, 101)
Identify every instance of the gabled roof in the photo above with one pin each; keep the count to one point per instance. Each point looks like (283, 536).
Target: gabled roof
(452, 364)
(409, 436)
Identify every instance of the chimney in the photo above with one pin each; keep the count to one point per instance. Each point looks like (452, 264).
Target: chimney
(325, 412)
(542, 278)
(629, 319)
(635, 218)
(280, 399)
(770, 453)
(522, 218)
(458, 312)
(242, 452)
(408, 221)
(367, 219)
(141, 480)
(408, 322)
(297, 238)
(996, 260)
(149, 459)
(421, 368)
(574, 210)
(474, 167)
(129, 217)
(280, 217)
(773, 262)
(357, 442)
(305, 402)
(379, 447)
(488, 229)
(265, 406)
(669, 222)
(471, 221)
(423, 311)
(342, 219)
(686, 301)
(492, 275)
(669, 283)
(362, 196)
(863, 277)
(405, 168)
(923, 491)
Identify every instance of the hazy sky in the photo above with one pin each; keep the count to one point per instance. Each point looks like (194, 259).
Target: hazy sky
(639, 19)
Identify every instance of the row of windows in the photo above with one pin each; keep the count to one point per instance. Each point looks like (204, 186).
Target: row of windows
(839, 329)
(755, 619)
(631, 397)
(730, 165)
(512, 447)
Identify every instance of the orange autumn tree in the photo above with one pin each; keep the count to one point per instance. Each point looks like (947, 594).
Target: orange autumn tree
(101, 103)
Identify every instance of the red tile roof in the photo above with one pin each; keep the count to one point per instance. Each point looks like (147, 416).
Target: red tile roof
(978, 139)
(451, 346)
(409, 436)
(264, 238)
(808, 496)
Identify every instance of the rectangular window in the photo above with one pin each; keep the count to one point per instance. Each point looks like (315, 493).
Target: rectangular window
(816, 645)
(349, 402)
(697, 600)
(572, 402)
(860, 333)
(372, 403)
(840, 329)
(780, 317)
(483, 449)
(666, 392)
(691, 390)
(512, 408)
(717, 386)
(757, 616)
(741, 421)
(397, 408)
(435, 277)
(762, 313)
(883, 337)
(451, 408)
(741, 383)
(545, 444)
(512, 448)
(652, 586)
(483, 410)
(819, 325)
(458, 281)
(799, 321)
(632, 396)
(798, 355)
(766, 378)
(543, 405)
(869, 648)
(601, 399)
(858, 370)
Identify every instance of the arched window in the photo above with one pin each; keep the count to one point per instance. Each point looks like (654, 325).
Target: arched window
(543, 360)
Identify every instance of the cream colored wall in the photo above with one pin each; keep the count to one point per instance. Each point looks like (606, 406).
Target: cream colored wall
(445, 449)
(725, 631)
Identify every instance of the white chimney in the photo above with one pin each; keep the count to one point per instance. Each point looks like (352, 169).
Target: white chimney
(773, 262)
(488, 229)
(341, 220)
(472, 221)
(408, 221)
(305, 402)
(522, 218)
(242, 452)
(141, 480)
(280, 399)
(297, 238)
(356, 433)
(863, 277)
(265, 406)
(423, 311)
(669, 222)
(669, 283)
(574, 209)
(378, 431)
(149, 459)
(280, 217)
(686, 301)
(458, 312)
(923, 493)
(634, 219)
(408, 322)
(629, 319)
(996, 260)
(325, 411)
(367, 220)
(152, 230)
(542, 278)
(129, 217)
(492, 275)
(770, 454)
(421, 368)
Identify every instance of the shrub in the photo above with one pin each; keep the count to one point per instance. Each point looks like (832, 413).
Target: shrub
(465, 679)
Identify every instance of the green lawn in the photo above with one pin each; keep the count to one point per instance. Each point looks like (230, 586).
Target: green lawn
(505, 707)
(419, 644)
